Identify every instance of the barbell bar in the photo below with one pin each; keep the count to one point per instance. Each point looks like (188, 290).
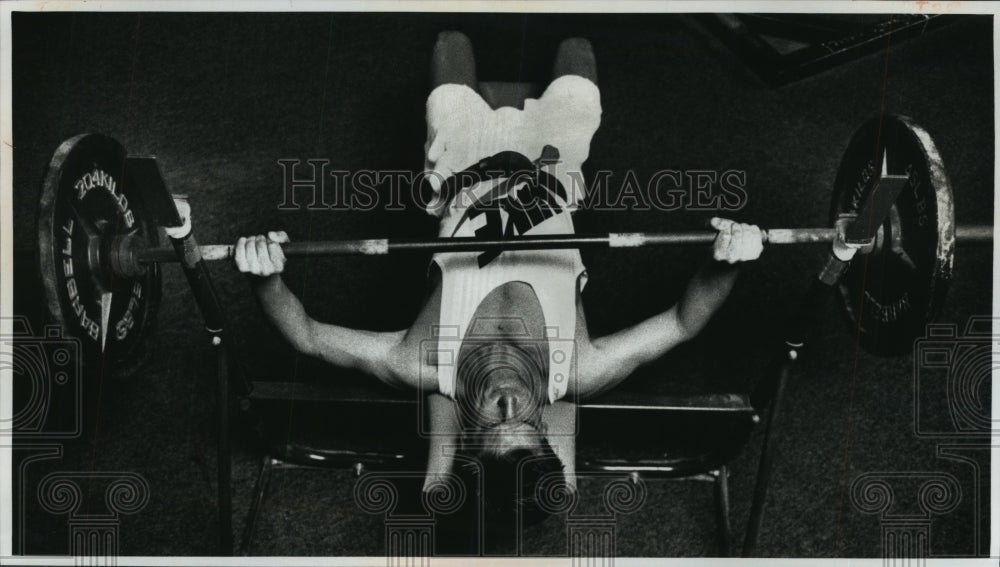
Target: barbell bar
(969, 235)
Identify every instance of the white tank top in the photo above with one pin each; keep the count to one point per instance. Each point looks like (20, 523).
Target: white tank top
(552, 274)
(461, 130)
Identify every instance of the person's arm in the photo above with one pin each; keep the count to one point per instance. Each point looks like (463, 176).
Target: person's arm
(606, 361)
(369, 351)
(443, 442)
(559, 418)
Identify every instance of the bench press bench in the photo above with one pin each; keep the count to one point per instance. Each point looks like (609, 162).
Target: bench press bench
(328, 423)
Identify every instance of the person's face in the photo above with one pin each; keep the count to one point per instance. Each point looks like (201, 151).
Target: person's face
(508, 399)
(503, 398)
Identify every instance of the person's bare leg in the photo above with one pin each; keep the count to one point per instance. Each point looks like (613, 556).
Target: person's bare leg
(575, 56)
(453, 60)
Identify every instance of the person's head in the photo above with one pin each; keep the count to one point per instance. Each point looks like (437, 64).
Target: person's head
(509, 475)
(502, 395)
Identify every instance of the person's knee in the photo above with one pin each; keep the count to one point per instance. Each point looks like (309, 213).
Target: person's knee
(453, 60)
(452, 41)
(575, 56)
(577, 47)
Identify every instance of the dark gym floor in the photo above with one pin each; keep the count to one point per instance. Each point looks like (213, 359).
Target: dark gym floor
(219, 98)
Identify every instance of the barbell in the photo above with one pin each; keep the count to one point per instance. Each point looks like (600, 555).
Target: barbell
(981, 234)
(100, 253)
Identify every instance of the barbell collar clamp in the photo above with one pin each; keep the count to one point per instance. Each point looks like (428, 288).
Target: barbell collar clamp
(833, 269)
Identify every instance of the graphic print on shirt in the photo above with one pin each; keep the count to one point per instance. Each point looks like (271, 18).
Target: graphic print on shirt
(525, 197)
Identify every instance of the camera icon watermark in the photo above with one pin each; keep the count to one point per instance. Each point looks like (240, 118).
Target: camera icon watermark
(471, 370)
(47, 382)
(952, 379)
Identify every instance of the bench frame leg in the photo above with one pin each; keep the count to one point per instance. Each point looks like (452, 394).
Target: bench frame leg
(256, 504)
(722, 510)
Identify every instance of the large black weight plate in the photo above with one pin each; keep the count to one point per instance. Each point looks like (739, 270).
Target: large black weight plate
(86, 201)
(891, 294)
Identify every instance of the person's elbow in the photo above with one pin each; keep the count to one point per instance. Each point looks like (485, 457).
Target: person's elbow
(386, 360)
(304, 338)
(688, 322)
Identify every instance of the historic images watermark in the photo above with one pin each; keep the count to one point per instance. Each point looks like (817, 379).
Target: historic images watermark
(952, 370)
(411, 524)
(906, 533)
(952, 375)
(312, 185)
(415, 523)
(94, 537)
(47, 383)
(47, 410)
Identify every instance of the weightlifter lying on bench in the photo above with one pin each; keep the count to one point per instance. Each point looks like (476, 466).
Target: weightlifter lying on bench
(501, 321)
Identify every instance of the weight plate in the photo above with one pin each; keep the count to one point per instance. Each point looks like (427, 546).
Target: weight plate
(86, 202)
(891, 294)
